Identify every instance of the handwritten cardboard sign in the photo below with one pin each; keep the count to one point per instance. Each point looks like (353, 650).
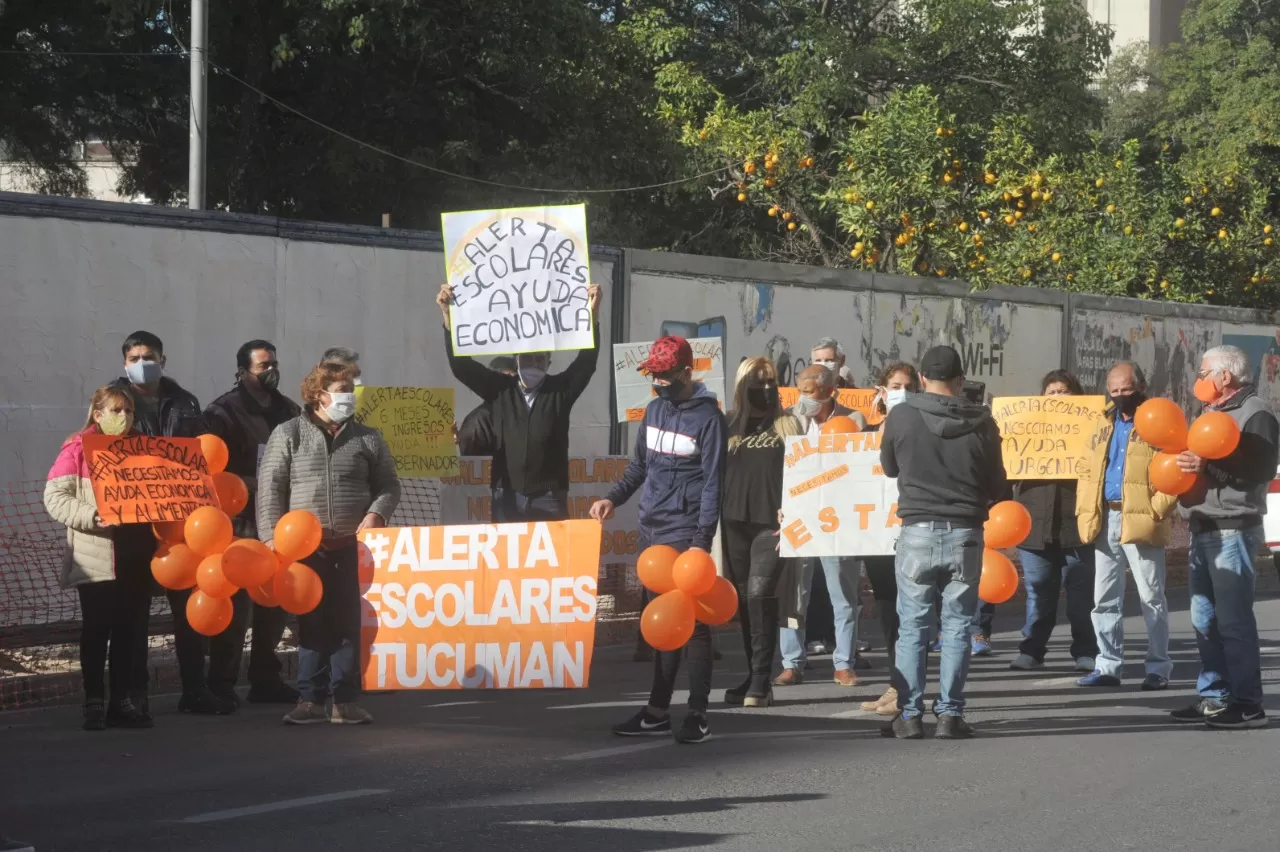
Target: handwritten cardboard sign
(416, 423)
(505, 606)
(1047, 437)
(520, 279)
(635, 391)
(143, 480)
(836, 500)
(858, 399)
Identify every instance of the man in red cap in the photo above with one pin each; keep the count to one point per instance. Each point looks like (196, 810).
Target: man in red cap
(678, 459)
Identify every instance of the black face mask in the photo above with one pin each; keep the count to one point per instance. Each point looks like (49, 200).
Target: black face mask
(670, 391)
(270, 380)
(1126, 405)
(763, 399)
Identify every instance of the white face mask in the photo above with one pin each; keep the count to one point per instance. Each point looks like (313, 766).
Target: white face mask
(341, 407)
(893, 397)
(807, 406)
(531, 377)
(830, 365)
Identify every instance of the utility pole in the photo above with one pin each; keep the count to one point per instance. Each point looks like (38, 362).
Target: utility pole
(199, 104)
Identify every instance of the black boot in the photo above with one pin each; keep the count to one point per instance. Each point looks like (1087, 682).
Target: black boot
(764, 642)
(125, 714)
(95, 715)
(734, 694)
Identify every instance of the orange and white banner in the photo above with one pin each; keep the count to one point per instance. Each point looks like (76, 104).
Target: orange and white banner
(836, 500)
(485, 606)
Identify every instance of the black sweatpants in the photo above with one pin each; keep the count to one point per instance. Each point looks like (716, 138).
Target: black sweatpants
(884, 587)
(666, 664)
(115, 618)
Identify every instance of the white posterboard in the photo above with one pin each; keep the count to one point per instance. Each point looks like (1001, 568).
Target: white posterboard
(635, 391)
(836, 500)
(519, 278)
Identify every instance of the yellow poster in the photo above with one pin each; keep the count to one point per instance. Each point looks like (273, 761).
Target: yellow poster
(1046, 437)
(417, 424)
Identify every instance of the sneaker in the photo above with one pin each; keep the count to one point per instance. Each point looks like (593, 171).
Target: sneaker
(1238, 716)
(936, 646)
(349, 713)
(981, 645)
(1097, 678)
(694, 729)
(862, 646)
(1200, 711)
(885, 705)
(817, 648)
(205, 703)
(126, 714)
(1086, 664)
(227, 694)
(762, 699)
(272, 692)
(904, 729)
(860, 663)
(789, 677)
(95, 716)
(734, 694)
(1154, 683)
(844, 677)
(1026, 662)
(952, 728)
(643, 725)
(306, 713)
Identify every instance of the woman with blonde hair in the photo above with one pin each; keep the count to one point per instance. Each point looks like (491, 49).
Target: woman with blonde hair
(749, 506)
(110, 569)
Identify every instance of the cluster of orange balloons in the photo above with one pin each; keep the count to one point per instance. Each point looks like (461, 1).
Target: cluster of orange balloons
(1161, 423)
(1008, 524)
(687, 590)
(203, 553)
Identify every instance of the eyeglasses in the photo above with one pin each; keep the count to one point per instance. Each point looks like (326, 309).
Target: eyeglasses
(1204, 374)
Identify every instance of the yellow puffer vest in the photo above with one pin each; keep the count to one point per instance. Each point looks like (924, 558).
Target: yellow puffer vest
(1145, 512)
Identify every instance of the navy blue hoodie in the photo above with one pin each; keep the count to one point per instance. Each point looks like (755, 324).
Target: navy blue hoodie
(679, 458)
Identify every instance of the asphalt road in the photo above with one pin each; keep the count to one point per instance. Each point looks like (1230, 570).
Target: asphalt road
(1054, 768)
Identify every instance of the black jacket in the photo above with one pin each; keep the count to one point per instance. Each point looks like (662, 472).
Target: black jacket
(178, 411)
(945, 453)
(1052, 504)
(237, 418)
(476, 436)
(531, 455)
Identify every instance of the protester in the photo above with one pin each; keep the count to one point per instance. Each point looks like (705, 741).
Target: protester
(945, 452)
(1126, 520)
(828, 352)
(244, 418)
(110, 569)
(816, 405)
(895, 382)
(476, 437)
(1052, 557)
(1226, 538)
(162, 408)
(348, 357)
(342, 471)
(678, 459)
(749, 510)
(530, 412)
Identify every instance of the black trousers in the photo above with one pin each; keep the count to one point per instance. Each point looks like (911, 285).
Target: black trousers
(114, 624)
(765, 572)
(884, 587)
(666, 664)
(736, 538)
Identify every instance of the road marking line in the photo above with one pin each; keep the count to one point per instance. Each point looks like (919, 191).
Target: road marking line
(455, 704)
(306, 801)
(664, 741)
(591, 706)
(1055, 681)
(616, 750)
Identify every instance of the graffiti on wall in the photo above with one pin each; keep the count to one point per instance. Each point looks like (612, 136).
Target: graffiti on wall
(1167, 349)
(1262, 345)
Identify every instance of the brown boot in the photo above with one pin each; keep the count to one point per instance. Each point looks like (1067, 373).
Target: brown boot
(844, 677)
(789, 677)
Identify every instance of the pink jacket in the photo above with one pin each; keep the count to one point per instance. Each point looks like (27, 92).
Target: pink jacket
(69, 500)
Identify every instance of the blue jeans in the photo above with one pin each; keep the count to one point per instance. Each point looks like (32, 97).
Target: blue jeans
(1046, 572)
(949, 557)
(843, 573)
(329, 635)
(1222, 583)
(1146, 563)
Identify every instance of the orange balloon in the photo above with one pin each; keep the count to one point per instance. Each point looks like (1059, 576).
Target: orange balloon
(263, 595)
(216, 454)
(999, 578)
(1161, 423)
(1214, 435)
(212, 581)
(248, 562)
(297, 535)
(839, 424)
(1008, 523)
(1166, 476)
(653, 568)
(694, 572)
(169, 532)
(298, 589)
(718, 605)
(668, 621)
(233, 494)
(208, 531)
(174, 566)
(207, 615)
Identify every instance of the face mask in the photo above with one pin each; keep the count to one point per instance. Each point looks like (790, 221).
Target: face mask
(531, 377)
(893, 397)
(670, 391)
(807, 406)
(762, 399)
(341, 407)
(143, 373)
(830, 365)
(1205, 390)
(1126, 405)
(270, 380)
(113, 423)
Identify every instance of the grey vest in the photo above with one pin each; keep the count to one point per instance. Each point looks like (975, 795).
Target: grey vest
(1223, 501)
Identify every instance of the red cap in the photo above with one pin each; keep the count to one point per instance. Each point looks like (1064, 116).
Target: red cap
(667, 354)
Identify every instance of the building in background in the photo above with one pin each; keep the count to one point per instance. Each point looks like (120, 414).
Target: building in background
(102, 174)
(1153, 23)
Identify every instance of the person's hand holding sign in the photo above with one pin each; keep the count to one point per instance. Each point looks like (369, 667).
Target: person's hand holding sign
(593, 299)
(444, 299)
(602, 510)
(372, 521)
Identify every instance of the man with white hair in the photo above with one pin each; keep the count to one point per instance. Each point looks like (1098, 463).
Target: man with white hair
(1226, 511)
(828, 352)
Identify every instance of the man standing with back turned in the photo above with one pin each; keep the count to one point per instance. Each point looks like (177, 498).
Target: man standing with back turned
(945, 453)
